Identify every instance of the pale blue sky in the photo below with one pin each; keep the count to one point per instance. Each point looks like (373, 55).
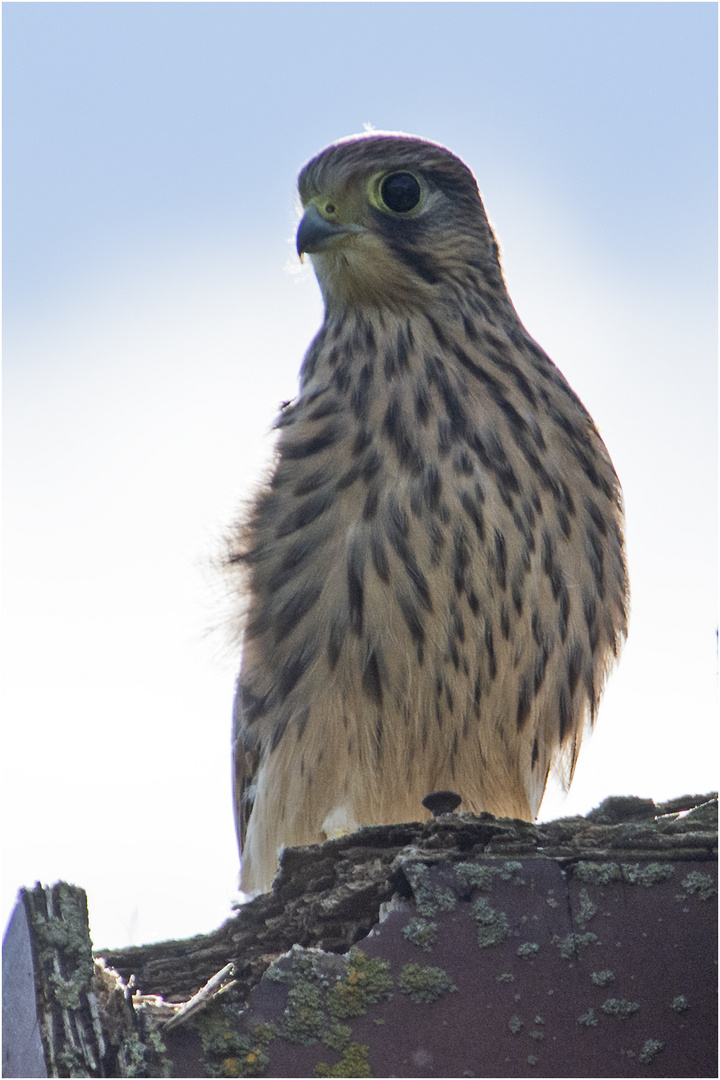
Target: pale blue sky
(152, 326)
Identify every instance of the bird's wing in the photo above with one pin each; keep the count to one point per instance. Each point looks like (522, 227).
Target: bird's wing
(246, 761)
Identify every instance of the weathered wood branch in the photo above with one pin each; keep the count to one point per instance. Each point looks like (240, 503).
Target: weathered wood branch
(460, 895)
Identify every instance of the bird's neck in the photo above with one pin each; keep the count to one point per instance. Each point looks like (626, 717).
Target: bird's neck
(393, 342)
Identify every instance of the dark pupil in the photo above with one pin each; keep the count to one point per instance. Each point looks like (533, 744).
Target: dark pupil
(400, 192)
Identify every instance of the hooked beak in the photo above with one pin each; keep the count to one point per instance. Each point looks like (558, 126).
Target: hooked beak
(315, 233)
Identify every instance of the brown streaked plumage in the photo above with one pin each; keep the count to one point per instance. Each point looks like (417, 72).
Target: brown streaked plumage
(434, 576)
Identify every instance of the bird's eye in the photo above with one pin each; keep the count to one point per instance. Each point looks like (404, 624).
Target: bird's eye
(400, 192)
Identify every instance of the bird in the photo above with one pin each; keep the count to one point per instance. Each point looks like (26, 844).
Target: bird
(432, 579)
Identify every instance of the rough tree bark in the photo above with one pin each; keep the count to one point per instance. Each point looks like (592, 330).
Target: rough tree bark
(467, 946)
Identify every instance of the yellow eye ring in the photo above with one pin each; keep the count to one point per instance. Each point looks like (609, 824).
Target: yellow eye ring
(399, 193)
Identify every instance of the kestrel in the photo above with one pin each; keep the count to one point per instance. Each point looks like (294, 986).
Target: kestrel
(434, 577)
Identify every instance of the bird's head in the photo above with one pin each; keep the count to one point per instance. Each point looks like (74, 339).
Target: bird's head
(394, 222)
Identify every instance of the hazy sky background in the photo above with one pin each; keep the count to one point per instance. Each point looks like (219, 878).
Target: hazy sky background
(152, 326)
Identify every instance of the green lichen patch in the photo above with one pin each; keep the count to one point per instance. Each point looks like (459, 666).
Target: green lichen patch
(228, 1067)
(214, 1025)
(354, 1062)
(512, 869)
(531, 1059)
(484, 875)
(305, 1018)
(431, 897)
(322, 991)
(364, 982)
(424, 984)
(619, 1008)
(71, 1063)
(571, 944)
(586, 911)
(68, 992)
(506, 976)
(647, 874)
(538, 1035)
(551, 900)
(228, 1053)
(299, 964)
(702, 884)
(597, 873)
(337, 1037)
(254, 1062)
(421, 933)
(64, 930)
(588, 1019)
(602, 978)
(492, 925)
(680, 1003)
(651, 1048)
(476, 875)
(528, 950)
(157, 1046)
(515, 1024)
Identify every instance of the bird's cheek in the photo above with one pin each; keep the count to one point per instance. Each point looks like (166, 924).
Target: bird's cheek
(362, 272)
